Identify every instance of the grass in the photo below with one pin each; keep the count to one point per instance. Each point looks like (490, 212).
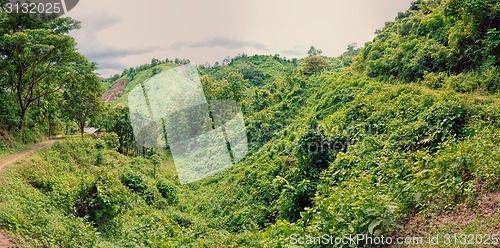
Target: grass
(40, 195)
(4, 153)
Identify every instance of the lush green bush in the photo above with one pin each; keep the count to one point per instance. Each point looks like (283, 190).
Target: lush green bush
(102, 200)
(168, 192)
(111, 140)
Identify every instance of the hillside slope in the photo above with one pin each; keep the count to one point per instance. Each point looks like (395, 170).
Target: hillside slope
(121, 85)
(363, 150)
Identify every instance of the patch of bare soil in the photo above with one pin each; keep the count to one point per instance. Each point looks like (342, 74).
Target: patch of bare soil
(5, 241)
(115, 91)
(489, 204)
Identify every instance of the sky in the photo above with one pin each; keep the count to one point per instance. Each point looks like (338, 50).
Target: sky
(120, 34)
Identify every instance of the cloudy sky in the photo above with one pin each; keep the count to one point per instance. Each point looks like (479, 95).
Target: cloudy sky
(119, 34)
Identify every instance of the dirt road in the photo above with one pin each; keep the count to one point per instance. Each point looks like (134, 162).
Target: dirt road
(13, 158)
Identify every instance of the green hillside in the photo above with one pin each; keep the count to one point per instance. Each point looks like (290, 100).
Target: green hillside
(402, 142)
(136, 76)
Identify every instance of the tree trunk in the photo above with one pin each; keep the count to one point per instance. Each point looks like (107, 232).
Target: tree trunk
(82, 127)
(21, 123)
(128, 142)
(49, 125)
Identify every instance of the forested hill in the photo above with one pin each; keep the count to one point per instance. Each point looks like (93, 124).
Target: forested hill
(258, 71)
(431, 41)
(436, 40)
(398, 138)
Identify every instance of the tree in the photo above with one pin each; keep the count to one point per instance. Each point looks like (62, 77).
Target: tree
(231, 87)
(351, 47)
(8, 115)
(314, 64)
(36, 62)
(209, 87)
(117, 120)
(314, 152)
(82, 97)
(351, 52)
(314, 52)
(237, 84)
(155, 62)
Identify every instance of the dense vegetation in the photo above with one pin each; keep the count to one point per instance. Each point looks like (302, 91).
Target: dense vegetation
(42, 78)
(406, 126)
(453, 44)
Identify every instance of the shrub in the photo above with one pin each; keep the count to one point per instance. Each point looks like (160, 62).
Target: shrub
(314, 151)
(99, 158)
(463, 82)
(101, 201)
(354, 207)
(314, 64)
(434, 80)
(168, 192)
(111, 140)
(135, 182)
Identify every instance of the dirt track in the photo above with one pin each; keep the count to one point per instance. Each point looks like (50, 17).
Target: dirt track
(13, 158)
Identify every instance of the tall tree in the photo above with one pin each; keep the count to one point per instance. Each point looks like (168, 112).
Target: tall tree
(314, 52)
(82, 97)
(116, 119)
(36, 62)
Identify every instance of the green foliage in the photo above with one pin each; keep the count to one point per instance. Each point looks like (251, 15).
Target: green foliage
(314, 151)
(116, 122)
(102, 200)
(168, 192)
(111, 140)
(314, 64)
(136, 76)
(42, 74)
(434, 80)
(135, 182)
(7, 111)
(231, 87)
(38, 57)
(90, 204)
(314, 52)
(354, 207)
(337, 152)
(82, 99)
(100, 160)
(352, 51)
(377, 154)
(453, 37)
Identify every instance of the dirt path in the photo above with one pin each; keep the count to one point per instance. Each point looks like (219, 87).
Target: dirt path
(13, 158)
(5, 241)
